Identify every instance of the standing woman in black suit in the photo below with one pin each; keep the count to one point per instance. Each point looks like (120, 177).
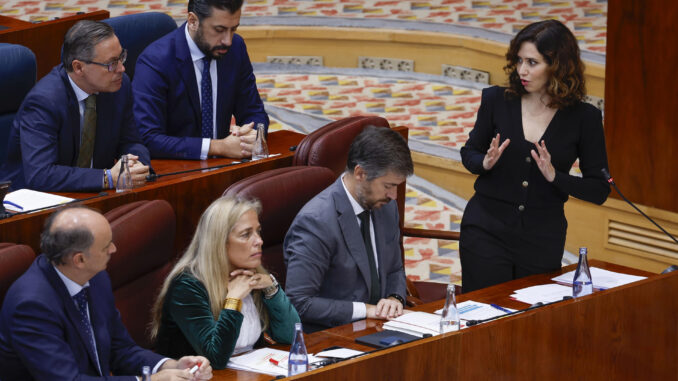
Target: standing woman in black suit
(523, 145)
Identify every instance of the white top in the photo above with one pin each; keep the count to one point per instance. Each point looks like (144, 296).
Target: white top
(197, 56)
(359, 308)
(250, 330)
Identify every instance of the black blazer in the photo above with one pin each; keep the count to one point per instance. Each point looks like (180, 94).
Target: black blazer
(574, 132)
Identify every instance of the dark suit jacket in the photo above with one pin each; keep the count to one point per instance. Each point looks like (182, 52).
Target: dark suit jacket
(327, 266)
(44, 142)
(167, 102)
(40, 338)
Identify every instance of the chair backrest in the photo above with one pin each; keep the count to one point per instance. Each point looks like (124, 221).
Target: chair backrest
(17, 75)
(14, 261)
(328, 146)
(143, 233)
(137, 31)
(282, 193)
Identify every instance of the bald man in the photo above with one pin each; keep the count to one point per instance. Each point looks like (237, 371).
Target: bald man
(59, 321)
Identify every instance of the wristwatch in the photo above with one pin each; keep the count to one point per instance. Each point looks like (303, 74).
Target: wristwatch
(270, 291)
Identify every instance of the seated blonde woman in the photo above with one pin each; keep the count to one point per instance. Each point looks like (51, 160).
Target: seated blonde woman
(218, 300)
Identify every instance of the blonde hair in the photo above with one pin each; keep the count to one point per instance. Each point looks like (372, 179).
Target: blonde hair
(206, 258)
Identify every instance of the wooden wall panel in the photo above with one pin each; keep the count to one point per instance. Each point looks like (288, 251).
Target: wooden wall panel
(641, 100)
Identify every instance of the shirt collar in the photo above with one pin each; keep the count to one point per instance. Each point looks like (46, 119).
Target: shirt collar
(72, 287)
(80, 94)
(357, 208)
(196, 53)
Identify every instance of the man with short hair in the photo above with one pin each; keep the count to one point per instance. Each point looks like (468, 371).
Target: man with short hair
(77, 121)
(189, 83)
(342, 250)
(59, 322)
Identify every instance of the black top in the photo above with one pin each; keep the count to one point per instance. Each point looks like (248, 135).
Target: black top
(574, 132)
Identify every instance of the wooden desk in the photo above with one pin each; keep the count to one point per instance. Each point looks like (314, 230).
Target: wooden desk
(45, 38)
(189, 194)
(628, 332)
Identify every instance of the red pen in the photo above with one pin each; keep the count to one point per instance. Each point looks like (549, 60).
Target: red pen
(273, 361)
(195, 368)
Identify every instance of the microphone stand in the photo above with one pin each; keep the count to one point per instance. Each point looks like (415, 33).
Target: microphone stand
(611, 181)
(153, 176)
(470, 323)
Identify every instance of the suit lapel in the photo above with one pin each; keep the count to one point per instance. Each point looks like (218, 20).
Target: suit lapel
(71, 310)
(379, 236)
(98, 325)
(186, 69)
(72, 117)
(348, 222)
(223, 121)
(102, 139)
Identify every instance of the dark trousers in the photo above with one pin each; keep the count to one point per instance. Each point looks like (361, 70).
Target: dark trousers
(499, 243)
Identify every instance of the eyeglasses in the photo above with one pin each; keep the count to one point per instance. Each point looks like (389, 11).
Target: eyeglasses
(111, 66)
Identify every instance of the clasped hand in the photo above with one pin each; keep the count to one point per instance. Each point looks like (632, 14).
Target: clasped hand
(243, 281)
(237, 145)
(389, 308)
(137, 169)
(173, 370)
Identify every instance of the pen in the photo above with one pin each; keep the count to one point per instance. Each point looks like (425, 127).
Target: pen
(500, 308)
(275, 362)
(195, 368)
(12, 204)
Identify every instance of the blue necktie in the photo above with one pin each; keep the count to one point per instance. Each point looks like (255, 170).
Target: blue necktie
(81, 299)
(206, 94)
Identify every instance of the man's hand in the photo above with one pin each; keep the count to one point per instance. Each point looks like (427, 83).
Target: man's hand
(237, 145)
(137, 169)
(389, 308)
(180, 370)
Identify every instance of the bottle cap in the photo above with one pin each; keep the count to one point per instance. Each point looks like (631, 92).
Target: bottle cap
(583, 250)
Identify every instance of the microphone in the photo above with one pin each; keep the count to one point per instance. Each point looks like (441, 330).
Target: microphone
(8, 214)
(610, 180)
(154, 176)
(470, 323)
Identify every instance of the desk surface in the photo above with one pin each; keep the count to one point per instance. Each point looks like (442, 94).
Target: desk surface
(189, 193)
(419, 350)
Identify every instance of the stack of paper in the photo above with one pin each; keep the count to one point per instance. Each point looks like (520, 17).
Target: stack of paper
(602, 279)
(25, 200)
(417, 324)
(265, 360)
(470, 310)
(545, 293)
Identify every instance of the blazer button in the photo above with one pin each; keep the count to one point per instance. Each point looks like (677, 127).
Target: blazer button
(525, 183)
(528, 159)
(521, 207)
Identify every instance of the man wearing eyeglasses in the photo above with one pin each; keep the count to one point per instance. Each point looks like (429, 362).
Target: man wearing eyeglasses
(76, 123)
(188, 84)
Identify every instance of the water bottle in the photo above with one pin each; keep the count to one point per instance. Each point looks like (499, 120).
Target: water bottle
(260, 149)
(146, 373)
(124, 181)
(582, 284)
(298, 360)
(449, 320)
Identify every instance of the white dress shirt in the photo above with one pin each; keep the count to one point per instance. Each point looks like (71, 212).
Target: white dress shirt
(250, 330)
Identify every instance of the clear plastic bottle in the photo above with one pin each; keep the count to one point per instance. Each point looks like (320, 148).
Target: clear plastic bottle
(124, 181)
(298, 360)
(449, 320)
(146, 373)
(260, 149)
(582, 284)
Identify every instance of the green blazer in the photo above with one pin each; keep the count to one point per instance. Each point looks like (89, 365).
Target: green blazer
(187, 326)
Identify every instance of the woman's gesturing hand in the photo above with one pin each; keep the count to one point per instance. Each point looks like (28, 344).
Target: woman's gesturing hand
(494, 152)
